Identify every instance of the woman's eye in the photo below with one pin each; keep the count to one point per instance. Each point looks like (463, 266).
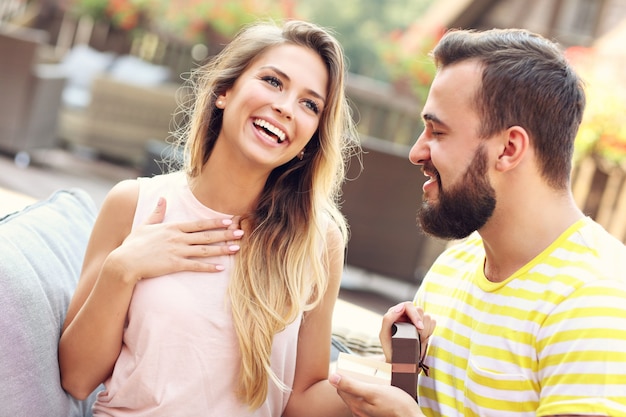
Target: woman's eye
(312, 105)
(273, 81)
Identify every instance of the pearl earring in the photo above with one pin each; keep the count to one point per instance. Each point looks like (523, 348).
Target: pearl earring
(219, 104)
(301, 155)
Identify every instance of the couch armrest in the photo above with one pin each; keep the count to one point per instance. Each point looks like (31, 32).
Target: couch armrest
(41, 249)
(11, 201)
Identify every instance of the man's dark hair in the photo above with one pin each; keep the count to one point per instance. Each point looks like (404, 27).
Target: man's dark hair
(526, 82)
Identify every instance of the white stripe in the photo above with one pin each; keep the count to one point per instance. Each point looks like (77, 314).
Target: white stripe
(572, 272)
(587, 390)
(602, 345)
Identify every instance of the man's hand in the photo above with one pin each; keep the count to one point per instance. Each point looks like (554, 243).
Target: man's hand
(372, 400)
(406, 312)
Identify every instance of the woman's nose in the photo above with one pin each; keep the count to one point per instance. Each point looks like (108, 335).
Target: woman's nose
(284, 108)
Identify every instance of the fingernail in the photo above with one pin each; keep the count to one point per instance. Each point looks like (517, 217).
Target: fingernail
(233, 248)
(398, 308)
(160, 202)
(219, 267)
(227, 222)
(238, 233)
(334, 379)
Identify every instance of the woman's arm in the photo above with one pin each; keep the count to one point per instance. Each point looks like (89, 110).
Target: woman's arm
(312, 395)
(115, 260)
(91, 337)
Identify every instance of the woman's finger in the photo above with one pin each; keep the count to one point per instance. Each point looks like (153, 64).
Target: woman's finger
(204, 224)
(207, 237)
(158, 214)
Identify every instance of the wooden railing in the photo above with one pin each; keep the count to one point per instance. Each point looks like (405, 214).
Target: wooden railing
(382, 112)
(12, 10)
(600, 191)
(66, 30)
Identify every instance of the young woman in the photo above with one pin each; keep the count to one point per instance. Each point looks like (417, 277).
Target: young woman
(165, 314)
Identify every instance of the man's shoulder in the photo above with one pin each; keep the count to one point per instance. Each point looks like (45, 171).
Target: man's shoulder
(469, 247)
(607, 251)
(463, 255)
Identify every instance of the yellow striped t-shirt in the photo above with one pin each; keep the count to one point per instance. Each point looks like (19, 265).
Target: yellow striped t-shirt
(549, 340)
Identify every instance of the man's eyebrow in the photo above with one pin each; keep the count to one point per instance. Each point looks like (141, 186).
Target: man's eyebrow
(429, 117)
(285, 76)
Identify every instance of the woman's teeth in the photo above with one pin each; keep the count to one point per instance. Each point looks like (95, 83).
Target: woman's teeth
(278, 135)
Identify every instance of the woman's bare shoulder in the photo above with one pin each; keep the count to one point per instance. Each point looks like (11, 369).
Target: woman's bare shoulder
(118, 209)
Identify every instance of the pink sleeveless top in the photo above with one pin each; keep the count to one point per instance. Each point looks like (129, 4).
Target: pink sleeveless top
(180, 355)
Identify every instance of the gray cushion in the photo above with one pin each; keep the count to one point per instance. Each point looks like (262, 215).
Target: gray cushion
(41, 253)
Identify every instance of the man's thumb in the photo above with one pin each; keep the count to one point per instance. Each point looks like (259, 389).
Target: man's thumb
(341, 382)
(158, 214)
(334, 380)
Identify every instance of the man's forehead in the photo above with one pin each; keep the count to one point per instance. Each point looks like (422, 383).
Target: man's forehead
(454, 87)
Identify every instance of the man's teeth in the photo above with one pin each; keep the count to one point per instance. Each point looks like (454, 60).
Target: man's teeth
(271, 128)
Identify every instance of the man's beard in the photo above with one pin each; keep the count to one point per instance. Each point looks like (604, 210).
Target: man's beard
(465, 207)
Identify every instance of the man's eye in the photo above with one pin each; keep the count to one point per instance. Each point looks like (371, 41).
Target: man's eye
(273, 81)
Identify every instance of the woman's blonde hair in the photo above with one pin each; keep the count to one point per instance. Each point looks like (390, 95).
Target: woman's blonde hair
(280, 271)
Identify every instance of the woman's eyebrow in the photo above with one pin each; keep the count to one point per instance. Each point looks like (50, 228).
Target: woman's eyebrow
(285, 76)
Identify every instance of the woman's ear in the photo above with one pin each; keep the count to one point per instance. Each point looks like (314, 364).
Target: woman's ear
(514, 147)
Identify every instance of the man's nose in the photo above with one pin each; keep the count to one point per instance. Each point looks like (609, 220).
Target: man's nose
(419, 152)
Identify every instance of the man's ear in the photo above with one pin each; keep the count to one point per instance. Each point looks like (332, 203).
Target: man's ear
(515, 143)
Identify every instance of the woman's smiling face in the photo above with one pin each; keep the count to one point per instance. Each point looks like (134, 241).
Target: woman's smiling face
(274, 107)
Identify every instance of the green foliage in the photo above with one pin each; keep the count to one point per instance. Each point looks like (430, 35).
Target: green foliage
(123, 14)
(94, 8)
(198, 19)
(412, 70)
(363, 26)
(193, 20)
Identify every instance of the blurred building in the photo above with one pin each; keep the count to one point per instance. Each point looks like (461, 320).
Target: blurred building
(570, 22)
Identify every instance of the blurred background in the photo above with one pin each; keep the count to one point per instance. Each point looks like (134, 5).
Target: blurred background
(89, 91)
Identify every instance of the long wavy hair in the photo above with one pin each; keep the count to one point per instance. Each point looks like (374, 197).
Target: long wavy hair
(280, 271)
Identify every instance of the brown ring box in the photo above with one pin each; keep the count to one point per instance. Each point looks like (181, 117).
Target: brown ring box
(405, 344)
